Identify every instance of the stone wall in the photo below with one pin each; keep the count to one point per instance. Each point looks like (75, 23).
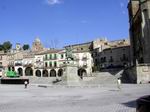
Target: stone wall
(139, 74)
(143, 73)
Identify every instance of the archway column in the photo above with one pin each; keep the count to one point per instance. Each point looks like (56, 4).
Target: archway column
(34, 72)
(24, 72)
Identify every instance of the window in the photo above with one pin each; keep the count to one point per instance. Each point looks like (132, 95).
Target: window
(46, 57)
(62, 56)
(124, 56)
(81, 48)
(55, 64)
(104, 59)
(0, 57)
(50, 56)
(1, 63)
(50, 64)
(55, 56)
(111, 59)
(45, 64)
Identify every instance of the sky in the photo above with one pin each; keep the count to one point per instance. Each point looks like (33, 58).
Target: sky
(62, 22)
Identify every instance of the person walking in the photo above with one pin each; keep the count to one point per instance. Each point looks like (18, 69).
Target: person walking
(25, 84)
(119, 83)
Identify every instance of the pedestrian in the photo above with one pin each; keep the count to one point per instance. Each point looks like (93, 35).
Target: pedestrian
(119, 83)
(25, 84)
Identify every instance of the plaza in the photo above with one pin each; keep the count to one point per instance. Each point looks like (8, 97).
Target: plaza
(100, 98)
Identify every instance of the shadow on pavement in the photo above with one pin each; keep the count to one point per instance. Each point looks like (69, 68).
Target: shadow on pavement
(131, 104)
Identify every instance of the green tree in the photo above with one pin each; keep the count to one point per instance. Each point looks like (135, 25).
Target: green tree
(26, 47)
(1, 47)
(7, 46)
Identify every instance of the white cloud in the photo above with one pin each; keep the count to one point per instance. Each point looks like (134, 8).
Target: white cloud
(53, 2)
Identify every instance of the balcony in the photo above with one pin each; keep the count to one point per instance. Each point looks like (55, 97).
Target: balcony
(18, 64)
(53, 58)
(28, 65)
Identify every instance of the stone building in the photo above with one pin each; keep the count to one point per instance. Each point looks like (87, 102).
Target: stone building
(139, 19)
(52, 63)
(3, 62)
(111, 54)
(83, 58)
(37, 45)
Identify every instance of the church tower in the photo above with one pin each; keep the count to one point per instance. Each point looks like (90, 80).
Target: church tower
(37, 45)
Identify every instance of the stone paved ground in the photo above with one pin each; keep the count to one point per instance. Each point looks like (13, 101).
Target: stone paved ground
(105, 98)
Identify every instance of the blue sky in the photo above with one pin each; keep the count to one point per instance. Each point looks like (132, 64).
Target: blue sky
(62, 21)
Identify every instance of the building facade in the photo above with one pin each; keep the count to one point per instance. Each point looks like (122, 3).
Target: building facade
(3, 62)
(139, 19)
(83, 58)
(113, 54)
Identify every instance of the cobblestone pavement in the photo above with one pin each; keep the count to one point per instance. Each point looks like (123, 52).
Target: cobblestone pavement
(105, 98)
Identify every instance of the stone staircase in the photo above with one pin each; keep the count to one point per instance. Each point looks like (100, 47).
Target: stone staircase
(41, 80)
(102, 78)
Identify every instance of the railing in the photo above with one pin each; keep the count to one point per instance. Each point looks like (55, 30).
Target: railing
(18, 64)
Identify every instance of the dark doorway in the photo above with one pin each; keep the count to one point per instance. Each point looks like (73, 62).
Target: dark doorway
(60, 72)
(38, 73)
(45, 73)
(20, 71)
(52, 73)
(82, 72)
(28, 71)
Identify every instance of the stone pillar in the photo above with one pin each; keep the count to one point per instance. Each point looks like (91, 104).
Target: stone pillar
(70, 76)
(23, 71)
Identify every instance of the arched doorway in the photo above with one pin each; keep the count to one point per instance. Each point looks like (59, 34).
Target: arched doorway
(52, 73)
(28, 71)
(38, 73)
(60, 72)
(82, 72)
(45, 73)
(20, 71)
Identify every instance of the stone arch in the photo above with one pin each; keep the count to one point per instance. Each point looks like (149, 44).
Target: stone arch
(82, 72)
(45, 73)
(60, 72)
(20, 71)
(38, 73)
(53, 73)
(29, 71)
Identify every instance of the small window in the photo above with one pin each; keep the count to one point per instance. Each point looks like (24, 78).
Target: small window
(0, 57)
(55, 64)
(50, 64)
(46, 57)
(62, 56)
(45, 64)
(50, 56)
(55, 56)
(81, 48)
